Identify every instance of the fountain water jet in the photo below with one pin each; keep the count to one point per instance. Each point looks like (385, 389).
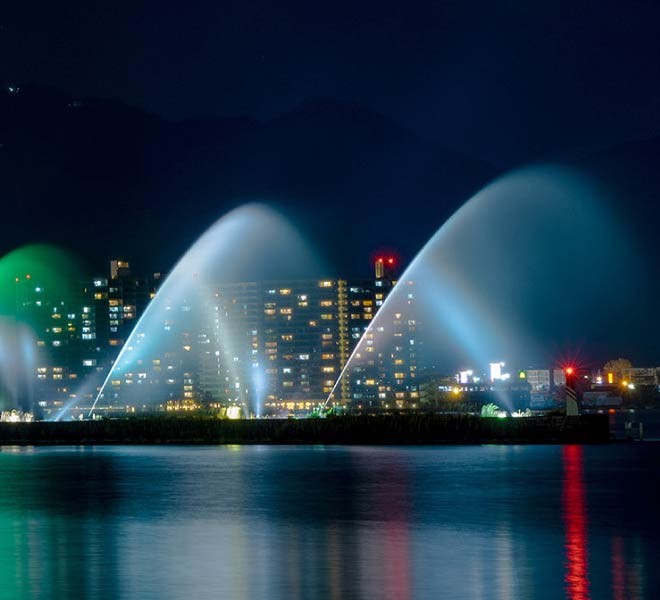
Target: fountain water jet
(18, 365)
(511, 273)
(196, 331)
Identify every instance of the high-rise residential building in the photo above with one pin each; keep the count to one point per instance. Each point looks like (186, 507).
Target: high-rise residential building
(227, 347)
(300, 341)
(383, 373)
(119, 269)
(51, 313)
(270, 347)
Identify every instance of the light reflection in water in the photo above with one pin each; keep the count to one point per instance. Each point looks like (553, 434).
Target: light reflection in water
(618, 570)
(575, 521)
(489, 523)
(627, 577)
(397, 557)
(388, 493)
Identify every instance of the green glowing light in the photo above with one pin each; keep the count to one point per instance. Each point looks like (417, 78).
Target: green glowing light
(37, 268)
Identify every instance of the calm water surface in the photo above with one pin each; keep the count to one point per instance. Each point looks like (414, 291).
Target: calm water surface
(330, 522)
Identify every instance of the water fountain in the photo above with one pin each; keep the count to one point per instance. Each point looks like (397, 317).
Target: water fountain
(530, 264)
(200, 330)
(512, 271)
(17, 366)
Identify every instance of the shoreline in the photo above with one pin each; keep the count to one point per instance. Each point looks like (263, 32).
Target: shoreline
(354, 430)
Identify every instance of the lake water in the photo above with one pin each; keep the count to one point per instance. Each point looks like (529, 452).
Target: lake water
(288, 522)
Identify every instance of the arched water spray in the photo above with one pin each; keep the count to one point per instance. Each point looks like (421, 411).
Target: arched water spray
(197, 333)
(17, 365)
(512, 273)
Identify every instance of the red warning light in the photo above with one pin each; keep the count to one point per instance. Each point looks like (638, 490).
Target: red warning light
(390, 261)
(569, 370)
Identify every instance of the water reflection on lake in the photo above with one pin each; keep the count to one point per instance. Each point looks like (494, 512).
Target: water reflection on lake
(330, 522)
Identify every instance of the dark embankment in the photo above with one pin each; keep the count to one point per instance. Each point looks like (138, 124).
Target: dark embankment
(386, 429)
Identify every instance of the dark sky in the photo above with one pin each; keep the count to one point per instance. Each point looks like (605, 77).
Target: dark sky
(506, 81)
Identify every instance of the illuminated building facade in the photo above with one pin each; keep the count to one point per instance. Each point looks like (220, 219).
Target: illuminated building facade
(279, 346)
(538, 379)
(109, 310)
(300, 341)
(385, 373)
(55, 324)
(226, 363)
(310, 329)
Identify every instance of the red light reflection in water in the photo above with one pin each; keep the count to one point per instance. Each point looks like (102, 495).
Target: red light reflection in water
(396, 518)
(618, 570)
(389, 498)
(575, 522)
(397, 561)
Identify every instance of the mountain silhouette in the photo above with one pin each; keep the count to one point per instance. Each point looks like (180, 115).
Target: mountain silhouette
(106, 179)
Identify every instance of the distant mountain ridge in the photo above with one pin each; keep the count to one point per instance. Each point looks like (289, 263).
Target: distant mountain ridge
(130, 183)
(127, 181)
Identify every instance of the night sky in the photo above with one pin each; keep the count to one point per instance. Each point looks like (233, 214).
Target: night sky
(367, 123)
(504, 81)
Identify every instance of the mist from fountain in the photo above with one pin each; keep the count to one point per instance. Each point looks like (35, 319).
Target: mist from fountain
(528, 267)
(18, 365)
(197, 323)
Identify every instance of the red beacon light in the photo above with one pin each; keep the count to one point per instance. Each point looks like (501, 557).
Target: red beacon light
(390, 261)
(569, 370)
